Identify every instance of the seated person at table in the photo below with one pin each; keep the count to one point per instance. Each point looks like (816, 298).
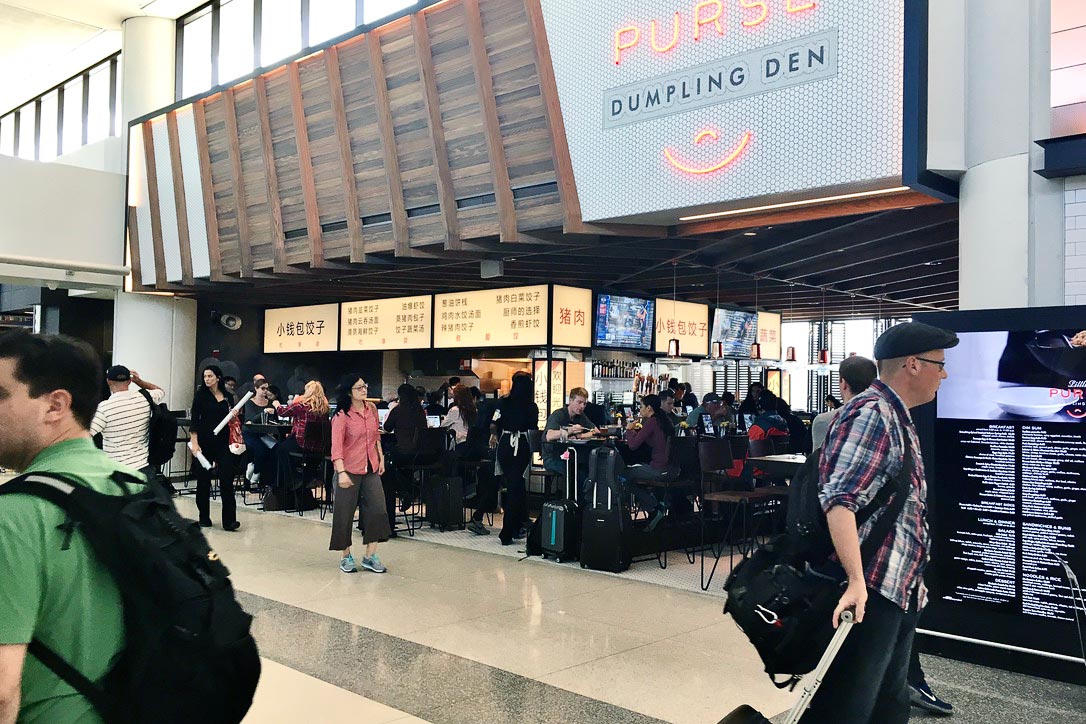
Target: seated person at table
(433, 404)
(260, 453)
(689, 399)
(406, 423)
(308, 412)
(667, 407)
(652, 430)
(753, 404)
(579, 427)
(799, 438)
(710, 405)
(461, 417)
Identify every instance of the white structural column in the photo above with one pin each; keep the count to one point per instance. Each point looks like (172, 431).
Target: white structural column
(153, 334)
(1011, 220)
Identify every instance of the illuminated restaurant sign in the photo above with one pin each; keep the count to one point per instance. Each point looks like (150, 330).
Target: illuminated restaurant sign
(302, 329)
(686, 322)
(378, 324)
(769, 334)
(572, 325)
(510, 317)
(714, 104)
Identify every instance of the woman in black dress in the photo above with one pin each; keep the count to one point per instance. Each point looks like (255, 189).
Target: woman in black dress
(516, 415)
(210, 405)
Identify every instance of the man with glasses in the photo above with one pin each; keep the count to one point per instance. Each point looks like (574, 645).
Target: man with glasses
(873, 443)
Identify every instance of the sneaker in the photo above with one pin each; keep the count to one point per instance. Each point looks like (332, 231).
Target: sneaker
(373, 563)
(347, 564)
(478, 528)
(921, 695)
(249, 469)
(255, 479)
(661, 511)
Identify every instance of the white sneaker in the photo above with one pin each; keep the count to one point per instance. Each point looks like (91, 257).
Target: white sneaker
(249, 471)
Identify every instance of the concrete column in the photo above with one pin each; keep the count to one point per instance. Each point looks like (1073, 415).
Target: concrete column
(153, 334)
(1011, 243)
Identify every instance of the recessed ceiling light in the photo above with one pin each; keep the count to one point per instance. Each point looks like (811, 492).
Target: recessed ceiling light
(750, 233)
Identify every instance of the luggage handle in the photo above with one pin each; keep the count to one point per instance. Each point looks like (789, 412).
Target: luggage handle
(814, 679)
(570, 449)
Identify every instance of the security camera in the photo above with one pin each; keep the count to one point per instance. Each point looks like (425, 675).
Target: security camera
(227, 320)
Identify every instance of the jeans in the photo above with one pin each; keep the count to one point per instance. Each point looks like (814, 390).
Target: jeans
(559, 467)
(262, 456)
(646, 499)
(866, 684)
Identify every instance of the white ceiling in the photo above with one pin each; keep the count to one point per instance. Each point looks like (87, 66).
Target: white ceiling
(44, 42)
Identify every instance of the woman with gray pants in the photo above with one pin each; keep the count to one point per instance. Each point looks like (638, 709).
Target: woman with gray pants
(359, 463)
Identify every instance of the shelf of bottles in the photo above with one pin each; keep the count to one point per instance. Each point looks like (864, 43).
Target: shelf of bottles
(615, 376)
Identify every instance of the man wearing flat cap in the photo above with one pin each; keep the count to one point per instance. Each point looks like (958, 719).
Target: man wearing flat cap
(872, 444)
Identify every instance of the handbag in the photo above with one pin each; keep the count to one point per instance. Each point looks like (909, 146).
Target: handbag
(237, 442)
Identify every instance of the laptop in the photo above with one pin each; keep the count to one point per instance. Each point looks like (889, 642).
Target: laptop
(382, 415)
(628, 412)
(433, 421)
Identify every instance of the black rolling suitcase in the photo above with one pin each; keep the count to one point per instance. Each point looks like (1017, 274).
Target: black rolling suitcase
(747, 714)
(606, 519)
(559, 527)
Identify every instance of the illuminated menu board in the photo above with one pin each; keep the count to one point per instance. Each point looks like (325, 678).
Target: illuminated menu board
(510, 317)
(769, 334)
(572, 325)
(302, 329)
(378, 324)
(686, 322)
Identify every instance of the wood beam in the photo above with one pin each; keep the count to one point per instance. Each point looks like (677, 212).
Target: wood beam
(179, 200)
(383, 109)
(207, 188)
(346, 157)
(155, 202)
(495, 145)
(237, 178)
(134, 249)
(428, 79)
(271, 176)
(305, 164)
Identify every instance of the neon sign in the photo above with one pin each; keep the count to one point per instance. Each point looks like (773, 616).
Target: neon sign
(706, 16)
(699, 170)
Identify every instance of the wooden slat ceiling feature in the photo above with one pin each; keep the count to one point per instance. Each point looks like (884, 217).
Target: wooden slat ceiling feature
(348, 187)
(275, 207)
(207, 189)
(237, 182)
(179, 199)
(305, 167)
(134, 250)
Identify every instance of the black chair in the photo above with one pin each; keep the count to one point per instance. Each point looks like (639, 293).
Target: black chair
(682, 452)
(536, 470)
(433, 442)
(472, 466)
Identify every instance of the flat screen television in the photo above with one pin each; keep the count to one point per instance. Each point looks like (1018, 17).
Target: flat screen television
(1003, 450)
(736, 330)
(624, 322)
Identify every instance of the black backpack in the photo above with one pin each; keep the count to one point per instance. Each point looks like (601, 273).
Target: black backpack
(161, 433)
(189, 655)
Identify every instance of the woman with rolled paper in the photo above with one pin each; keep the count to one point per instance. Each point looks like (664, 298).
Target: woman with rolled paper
(210, 406)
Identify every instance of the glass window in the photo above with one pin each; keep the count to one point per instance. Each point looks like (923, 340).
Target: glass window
(7, 135)
(374, 10)
(26, 132)
(280, 30)
(47, 145)
(98, 106)
(235, 39)
(196, 54)
(73, 115)
(329, 18)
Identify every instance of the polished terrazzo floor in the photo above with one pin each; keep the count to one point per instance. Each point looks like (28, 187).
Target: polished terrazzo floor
(452, 634)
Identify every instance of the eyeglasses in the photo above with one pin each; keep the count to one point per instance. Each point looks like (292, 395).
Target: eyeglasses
(933, 362)
(363, 386)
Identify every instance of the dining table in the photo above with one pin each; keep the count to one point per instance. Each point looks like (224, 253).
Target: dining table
(784, 466)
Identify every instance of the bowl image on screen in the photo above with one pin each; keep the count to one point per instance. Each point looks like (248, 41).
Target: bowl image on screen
(1055, 351)
(1030, 401)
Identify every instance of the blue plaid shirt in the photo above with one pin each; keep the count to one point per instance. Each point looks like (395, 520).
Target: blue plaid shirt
(864, 450)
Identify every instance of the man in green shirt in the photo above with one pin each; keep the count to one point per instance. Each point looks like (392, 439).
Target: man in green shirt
(52, 586)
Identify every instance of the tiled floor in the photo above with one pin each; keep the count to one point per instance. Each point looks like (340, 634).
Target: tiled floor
(453, 633)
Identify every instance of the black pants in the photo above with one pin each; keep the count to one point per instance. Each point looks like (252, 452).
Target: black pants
(486, 492)
(867, 682)
(224, 470)
(285, 475)
(515, 504)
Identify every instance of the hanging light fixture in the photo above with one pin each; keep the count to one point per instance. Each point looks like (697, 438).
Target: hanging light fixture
(756, 348)
(790, 352)
(823, 367)
(716, 350)
(673, 343)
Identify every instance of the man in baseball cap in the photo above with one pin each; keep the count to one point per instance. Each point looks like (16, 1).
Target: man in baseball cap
(872, 443)
(124, 418)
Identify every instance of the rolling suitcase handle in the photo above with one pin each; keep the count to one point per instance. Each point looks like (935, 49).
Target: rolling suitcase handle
(812, 681)
(571, 454)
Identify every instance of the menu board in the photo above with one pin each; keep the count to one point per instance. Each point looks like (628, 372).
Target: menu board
(623, 322)
(769, 335)
(401, 323)
(1009, 487)
(572, 322)
(302, 329)
(736, 331)
(511, 317)
(686, 322)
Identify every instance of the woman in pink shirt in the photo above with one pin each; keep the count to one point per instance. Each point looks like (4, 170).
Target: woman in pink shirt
(359, 463)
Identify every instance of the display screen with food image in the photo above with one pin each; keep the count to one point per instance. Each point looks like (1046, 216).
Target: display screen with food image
(1024, 375)
(736, 331)
(623, 322)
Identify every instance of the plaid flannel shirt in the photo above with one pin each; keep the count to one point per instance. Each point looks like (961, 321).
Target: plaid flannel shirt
(864, 450)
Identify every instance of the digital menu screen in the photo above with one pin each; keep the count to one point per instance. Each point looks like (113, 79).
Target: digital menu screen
(736, 330)
(1009, 485)
(623, 322)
